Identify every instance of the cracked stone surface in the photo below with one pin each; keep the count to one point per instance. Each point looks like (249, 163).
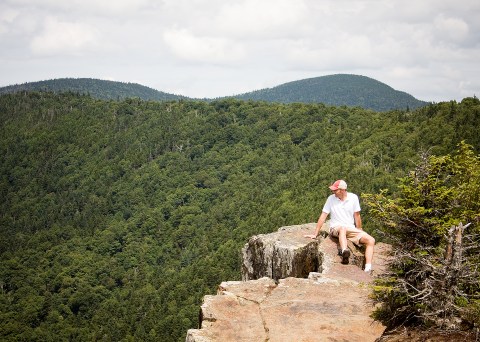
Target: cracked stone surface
(329, 305)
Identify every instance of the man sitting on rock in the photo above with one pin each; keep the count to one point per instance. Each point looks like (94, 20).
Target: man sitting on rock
(345, 222)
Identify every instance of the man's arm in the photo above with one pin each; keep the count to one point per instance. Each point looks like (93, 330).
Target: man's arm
(320, 222)
(358, 219)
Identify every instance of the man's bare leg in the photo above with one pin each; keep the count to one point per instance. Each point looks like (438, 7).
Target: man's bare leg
(369, 242)
(342, 237)
(342, 240)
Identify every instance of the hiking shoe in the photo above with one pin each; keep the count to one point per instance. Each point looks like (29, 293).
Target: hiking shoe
(345, 256)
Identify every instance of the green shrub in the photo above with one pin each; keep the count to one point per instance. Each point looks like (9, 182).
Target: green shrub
(433, 227)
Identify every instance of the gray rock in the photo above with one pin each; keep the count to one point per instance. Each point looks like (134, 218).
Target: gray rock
(285, 253)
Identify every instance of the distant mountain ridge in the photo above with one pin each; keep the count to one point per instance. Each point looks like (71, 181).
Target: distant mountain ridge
(102, 89)
(336, 90)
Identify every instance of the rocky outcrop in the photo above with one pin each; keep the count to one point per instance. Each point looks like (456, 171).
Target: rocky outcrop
(283, 254)
(331, 304)
(295, 309)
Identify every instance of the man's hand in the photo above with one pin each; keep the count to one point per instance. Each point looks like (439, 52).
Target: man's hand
(311, 236)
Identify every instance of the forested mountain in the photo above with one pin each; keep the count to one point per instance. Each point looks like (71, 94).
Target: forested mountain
(100, 89)
(117, 217)
(338, 90)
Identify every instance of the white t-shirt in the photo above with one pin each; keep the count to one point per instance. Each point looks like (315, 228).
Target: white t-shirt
(341, 212)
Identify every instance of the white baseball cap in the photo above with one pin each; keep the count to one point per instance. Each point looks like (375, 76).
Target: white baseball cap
(339, 184)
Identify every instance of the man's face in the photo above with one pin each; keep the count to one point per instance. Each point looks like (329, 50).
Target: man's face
(339, 193)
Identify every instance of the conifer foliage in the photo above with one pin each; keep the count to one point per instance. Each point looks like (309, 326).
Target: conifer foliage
(433, 225)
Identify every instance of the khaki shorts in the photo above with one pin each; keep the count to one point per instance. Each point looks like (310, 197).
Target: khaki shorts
(353, 234)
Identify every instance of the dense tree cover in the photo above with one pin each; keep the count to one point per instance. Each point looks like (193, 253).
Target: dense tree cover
(433, 226)
(116, 218)
(338, 90)
(101, 89)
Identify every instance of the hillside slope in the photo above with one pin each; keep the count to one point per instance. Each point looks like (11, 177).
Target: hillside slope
(101, 89)
(117, 217)
(338, 90)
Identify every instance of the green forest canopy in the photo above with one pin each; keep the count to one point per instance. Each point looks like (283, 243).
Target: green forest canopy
(117, 217)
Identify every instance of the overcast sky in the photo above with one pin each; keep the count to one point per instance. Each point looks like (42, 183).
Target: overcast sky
(213, 48)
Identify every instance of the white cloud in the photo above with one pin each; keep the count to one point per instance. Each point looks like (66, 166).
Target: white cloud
(60, 37)
(85, 6)
(193, 48)
(332, 52)
(267, 18)
(450, 29)
(7, 16)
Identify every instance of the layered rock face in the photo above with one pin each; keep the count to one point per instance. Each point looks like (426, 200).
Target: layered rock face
(283, 254)
(294, 289)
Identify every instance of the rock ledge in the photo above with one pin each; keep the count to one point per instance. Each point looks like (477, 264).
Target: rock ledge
(330, 303)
